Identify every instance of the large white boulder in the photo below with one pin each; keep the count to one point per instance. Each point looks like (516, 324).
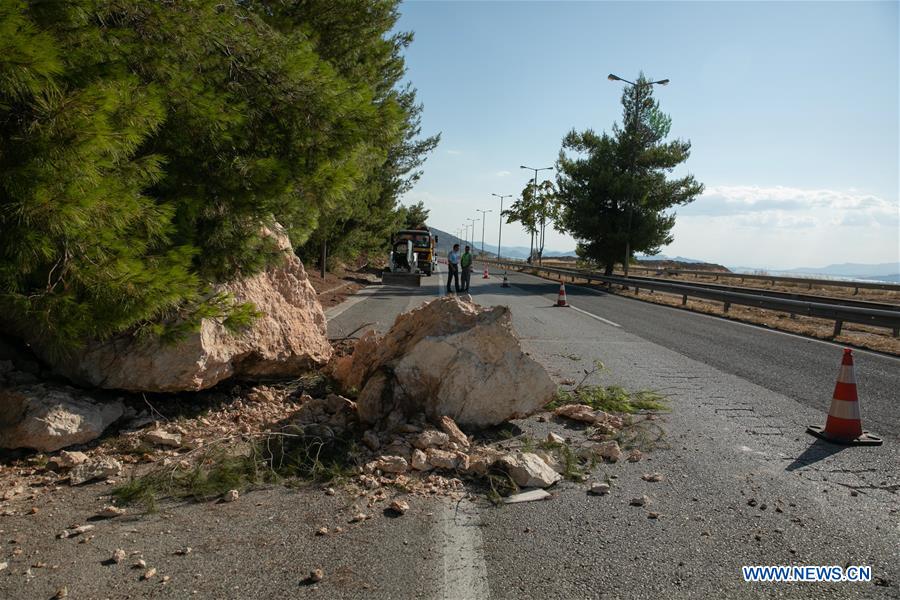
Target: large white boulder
(288, 338)
(46, 418)
(449, 357)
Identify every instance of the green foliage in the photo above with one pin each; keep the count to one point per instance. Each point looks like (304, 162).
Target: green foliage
(613, 399)
(614, 188)
(415, 216)
(145, 145)
(533, 210)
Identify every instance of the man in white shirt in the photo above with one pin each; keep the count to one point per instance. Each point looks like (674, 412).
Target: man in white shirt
(453, 267)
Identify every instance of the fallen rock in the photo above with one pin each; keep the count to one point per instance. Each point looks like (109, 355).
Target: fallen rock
(160, 437)
(442, 459)
(431, 438)
(96, 468)
(528, 470)
(653, 477)
(288, 338)
(453, 431)
(66, 460)
(529, 496)
(75, 531)
(119, 556)
(322, 531)
(399, 506)
(482, 459)
(599, 489)
(608, 450)
(370, 439)
(586, 414)
(419, 461)
(231, 496)
(151, 572)
(49, 417)
(635, 455)
(316, 576)
(551, 461)
(640, 501)
(555, 438)
(389, 464)
(110, 511)
(359, 517)
(449, 357)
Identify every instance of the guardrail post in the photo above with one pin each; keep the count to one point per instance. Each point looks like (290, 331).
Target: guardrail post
(684, 300)
(838, 325)
(896, 331)
(726, 307)
(856, 290)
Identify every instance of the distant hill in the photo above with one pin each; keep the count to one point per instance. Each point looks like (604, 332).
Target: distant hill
(887, 272)
(446, 241)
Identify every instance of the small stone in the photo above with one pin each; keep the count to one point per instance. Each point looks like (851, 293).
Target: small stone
(339, 530)
(33, 511)
(555, 438)
(419, 460)
(166, 579)
(184, 551)
(652, 477)
(330, 491)
(231, 496)
(161, 437)
(599, 489)
(118, 556)
(62, 592)
(110, 511)
(854, 493)
(98, 468)
(149, 573)
(322, 531)
(431, 438)
(635, 455)
(641, 501)
(75, 531)
(652, 515)
(450, 427)
(399, 506)
(358, 517)
(370, 439)
(316, 575)
(752, 502)
(4, 566)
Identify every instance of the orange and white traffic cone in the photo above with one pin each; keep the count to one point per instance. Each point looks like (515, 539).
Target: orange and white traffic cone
(486, 276)
(561, 300)
(843, 425)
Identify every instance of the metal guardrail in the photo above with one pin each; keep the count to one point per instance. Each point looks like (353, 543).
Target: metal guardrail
(807, 281)
(839, 314)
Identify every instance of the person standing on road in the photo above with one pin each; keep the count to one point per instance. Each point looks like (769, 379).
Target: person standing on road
(465, 263)
(453, 267)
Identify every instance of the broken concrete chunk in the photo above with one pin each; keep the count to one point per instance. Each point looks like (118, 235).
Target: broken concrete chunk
(528, 470)
(96, 468)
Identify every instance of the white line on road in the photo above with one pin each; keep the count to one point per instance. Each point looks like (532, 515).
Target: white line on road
(607, 321)
(361, 295)
(464, 573)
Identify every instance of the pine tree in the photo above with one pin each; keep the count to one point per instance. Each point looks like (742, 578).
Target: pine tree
(614, 188)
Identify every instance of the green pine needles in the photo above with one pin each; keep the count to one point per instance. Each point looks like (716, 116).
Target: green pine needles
(144, 146)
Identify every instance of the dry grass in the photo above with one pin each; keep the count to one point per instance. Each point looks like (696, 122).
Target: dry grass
(852, 334)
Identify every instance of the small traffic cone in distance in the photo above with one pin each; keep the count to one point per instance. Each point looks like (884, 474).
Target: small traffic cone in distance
(486, 276)
(505, 281)
(561, 300)
(844, 425)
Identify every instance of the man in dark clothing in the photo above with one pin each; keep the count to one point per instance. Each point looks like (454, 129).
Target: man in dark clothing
(453, 268)
(465, 263)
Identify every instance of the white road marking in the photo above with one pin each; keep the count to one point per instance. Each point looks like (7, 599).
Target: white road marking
(361, 295)
(463, 573)
(607, 321)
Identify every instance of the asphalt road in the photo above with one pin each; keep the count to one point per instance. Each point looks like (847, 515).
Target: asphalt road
(743, 485)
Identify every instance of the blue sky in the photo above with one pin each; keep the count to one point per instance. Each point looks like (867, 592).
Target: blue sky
(791, 107)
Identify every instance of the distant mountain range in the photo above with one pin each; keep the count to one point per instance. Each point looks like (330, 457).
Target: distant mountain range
(887, 272)
(446, 241)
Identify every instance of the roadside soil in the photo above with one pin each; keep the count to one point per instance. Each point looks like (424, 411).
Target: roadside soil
(340, 283)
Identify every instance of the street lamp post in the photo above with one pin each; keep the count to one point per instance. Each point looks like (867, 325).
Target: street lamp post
(636, 87)
(483, 221)
(540, 259)
(500, 231)
(472, 223)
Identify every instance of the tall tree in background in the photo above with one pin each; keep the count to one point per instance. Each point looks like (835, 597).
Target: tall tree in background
(145, 145)
(534, 210)
(614, 188)
(415, 216)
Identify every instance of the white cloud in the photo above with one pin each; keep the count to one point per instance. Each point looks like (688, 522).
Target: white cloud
(503, 173)
(454, 152)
